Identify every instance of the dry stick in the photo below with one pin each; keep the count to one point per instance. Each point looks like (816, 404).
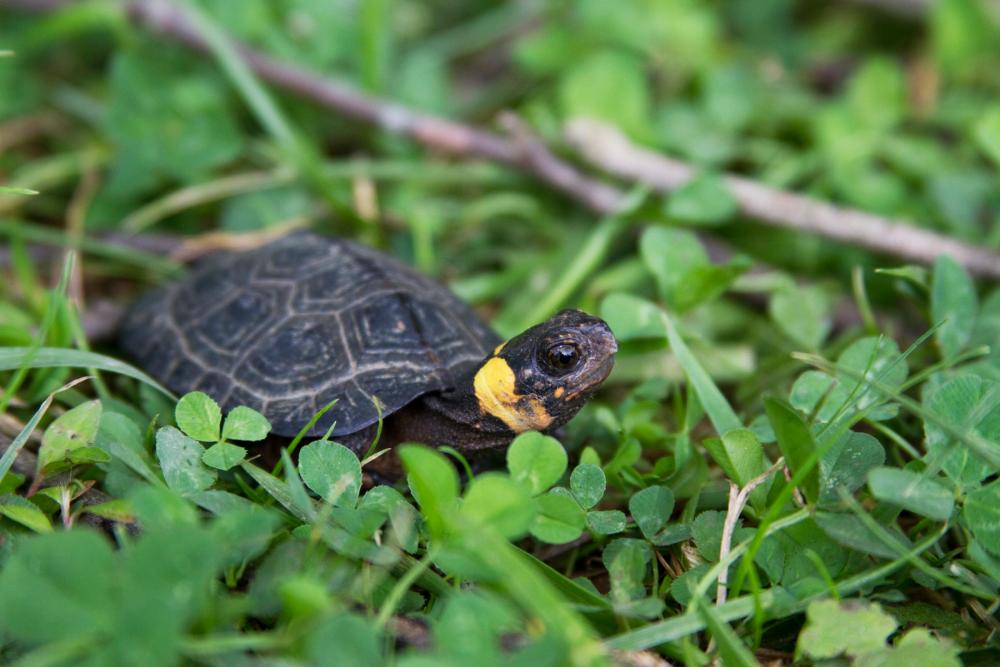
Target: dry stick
(607, 148)
(612, 151)
(537, 158)
(737, 501)
(616, 155)
(168, 19)
(523, 152)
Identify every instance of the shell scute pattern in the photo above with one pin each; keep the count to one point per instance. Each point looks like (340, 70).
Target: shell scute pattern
(290, 262)
(242, 317)
(203, 293)
(299, 355)
(293, 325)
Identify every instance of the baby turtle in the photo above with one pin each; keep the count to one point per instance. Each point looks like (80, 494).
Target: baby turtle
(307, 319)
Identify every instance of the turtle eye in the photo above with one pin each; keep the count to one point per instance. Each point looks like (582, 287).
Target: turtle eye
(562, 357)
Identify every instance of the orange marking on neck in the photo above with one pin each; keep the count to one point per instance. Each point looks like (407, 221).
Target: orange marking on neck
(495, 387)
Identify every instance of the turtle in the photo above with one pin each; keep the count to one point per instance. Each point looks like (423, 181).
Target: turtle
(308, 319)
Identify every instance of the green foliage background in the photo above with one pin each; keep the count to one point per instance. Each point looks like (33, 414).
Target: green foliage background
(877, 542)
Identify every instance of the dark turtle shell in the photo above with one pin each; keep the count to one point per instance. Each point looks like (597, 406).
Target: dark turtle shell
(307, 319)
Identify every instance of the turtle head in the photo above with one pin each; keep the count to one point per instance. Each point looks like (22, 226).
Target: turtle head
(539, 379)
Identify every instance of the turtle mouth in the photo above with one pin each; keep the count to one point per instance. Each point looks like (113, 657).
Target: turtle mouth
(596, 376)
(604, 348)
(602, 372)
(591, 381)
(592, 378)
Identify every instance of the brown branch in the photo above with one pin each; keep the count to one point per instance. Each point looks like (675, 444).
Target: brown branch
(766, 204)
(534, 156)
(607, 148)
(168, 19)
(602, 146)
(523, 152)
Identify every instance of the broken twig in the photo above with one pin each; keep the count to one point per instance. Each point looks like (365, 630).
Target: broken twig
(604, 147)
(607, 148)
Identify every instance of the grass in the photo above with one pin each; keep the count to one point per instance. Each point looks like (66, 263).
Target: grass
(141, 527)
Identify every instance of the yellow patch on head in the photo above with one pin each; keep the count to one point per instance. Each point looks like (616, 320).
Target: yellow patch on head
(495, 389)
(559, 391)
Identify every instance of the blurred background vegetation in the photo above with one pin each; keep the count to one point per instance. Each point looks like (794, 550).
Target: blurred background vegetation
(887, 106)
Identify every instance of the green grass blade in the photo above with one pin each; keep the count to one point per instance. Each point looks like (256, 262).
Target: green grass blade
(719, 412)
(871, 577)
(15, 228)
(7, 460)
(278, 490)
(796, 442)
(980, 445)
(375, 42)
(477, 33)
(733, 651)
(573, 591)
(228, 643)
(265, 109)
(48, 173)
(535, 594)
(410, 577)
(293, 445)
(204, 193)
(52, 307)
(10, 190)
(584, 263)
(256, 97)
(80, 339)
(901, 551)
(591, 255)
(825, 440)
(684, 625)
(58, 357)
(65, 651)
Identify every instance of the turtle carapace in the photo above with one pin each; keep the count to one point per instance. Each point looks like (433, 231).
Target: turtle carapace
(290, 326)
